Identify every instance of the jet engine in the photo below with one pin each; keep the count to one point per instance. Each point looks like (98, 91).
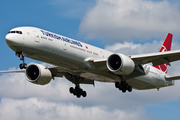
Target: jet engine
(120, 64)
(38, 74)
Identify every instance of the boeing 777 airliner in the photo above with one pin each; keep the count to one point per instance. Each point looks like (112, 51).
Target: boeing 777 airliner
(81, 63)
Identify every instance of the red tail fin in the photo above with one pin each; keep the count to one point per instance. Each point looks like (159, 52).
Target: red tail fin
(165, 47)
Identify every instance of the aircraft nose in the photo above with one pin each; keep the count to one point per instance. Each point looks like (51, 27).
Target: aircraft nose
(13, 40)
(9, 39)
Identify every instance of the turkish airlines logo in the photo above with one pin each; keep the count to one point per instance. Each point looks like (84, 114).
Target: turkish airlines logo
(163, 49)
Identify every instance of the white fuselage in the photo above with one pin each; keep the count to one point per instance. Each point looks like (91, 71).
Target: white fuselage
(72, 56)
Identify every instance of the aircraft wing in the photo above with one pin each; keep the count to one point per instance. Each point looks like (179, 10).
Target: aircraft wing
(13, 71)
(154, 58)
(157, 58)
(56, 72)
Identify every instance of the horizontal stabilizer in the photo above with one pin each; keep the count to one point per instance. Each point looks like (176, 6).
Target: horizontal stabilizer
(168, 78)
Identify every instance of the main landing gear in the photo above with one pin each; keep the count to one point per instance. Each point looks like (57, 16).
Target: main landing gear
(21, 56)
(77, 91)
(123, 86)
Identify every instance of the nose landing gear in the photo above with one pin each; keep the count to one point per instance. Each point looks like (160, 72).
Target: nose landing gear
(21, 56)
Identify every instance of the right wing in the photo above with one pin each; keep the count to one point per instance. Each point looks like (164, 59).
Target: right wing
(56, 72)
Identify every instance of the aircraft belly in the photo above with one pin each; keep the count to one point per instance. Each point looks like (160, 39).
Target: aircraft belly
(98, 77)
(147, 82)
(140, 85)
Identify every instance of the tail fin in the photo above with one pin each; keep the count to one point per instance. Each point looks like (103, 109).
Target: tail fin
(165, 47)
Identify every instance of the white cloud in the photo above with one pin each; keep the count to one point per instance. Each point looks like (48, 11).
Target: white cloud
(130, 48)
(122, 20)
(118, 46)
(36, 109)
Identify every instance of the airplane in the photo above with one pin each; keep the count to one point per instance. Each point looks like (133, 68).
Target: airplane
(81, 63)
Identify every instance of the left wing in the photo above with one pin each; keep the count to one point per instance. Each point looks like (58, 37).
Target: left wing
(157, 58)
(154, 58)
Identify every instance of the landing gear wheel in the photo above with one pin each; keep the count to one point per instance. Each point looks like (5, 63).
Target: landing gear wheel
(71, 90)
(23, 66)
(120, 88)
(130, 89)
(117, 84)
(78, 95)
(123, 90)
(84, 94)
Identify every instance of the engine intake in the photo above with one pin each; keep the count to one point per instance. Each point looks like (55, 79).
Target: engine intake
(120, 64)
(38, 74)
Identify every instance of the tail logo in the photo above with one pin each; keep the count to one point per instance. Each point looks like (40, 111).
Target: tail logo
(163, 67)
(165, 47)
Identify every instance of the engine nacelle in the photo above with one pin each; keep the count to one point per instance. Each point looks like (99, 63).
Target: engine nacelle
(38, 74)
(120, 64)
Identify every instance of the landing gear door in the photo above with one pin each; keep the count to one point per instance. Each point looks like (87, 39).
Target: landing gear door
(36, 37)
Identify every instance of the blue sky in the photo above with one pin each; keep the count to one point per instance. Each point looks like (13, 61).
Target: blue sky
(134, 24)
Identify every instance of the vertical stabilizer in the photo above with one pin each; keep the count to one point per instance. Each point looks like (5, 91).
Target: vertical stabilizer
(165, 47)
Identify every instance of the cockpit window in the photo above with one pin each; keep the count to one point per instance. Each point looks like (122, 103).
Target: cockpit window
(19, 32)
